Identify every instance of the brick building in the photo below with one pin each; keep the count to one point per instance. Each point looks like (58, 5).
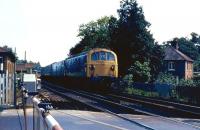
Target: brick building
(177, 63)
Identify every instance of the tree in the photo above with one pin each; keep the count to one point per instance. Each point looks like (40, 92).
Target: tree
(140, 71)
(186, 46)
(94, 34)
(129, 37)
(156, 61)
(132, 40)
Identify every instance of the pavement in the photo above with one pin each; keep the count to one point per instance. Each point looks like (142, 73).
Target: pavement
(87, 120)
(13, 119)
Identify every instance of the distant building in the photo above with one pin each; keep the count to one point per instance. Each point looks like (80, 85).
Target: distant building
(177, 63)
(28, 68)
(25, 68)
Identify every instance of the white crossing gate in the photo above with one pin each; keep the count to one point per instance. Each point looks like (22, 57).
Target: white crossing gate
(6, 90)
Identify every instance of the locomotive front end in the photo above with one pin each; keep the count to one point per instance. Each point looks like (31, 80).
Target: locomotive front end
(102, 63)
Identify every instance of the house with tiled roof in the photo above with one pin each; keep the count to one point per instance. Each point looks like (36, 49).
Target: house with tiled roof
(177, 63)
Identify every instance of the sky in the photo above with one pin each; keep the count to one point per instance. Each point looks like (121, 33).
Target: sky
(47, 29)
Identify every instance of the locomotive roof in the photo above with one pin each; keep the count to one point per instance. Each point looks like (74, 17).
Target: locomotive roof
(82, 53)
(85, 52)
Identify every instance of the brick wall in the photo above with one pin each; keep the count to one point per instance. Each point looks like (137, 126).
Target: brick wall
(188, 70)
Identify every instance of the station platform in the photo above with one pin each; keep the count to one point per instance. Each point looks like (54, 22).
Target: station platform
(13, 119)
(86, 120)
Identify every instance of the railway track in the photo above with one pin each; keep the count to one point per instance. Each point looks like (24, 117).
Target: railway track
(172, 108)
(101, 105)
(122, 103)
(156, 106)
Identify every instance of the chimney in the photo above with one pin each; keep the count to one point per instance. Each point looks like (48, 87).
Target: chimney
(177, 47)
(25, 56)
(174, 43)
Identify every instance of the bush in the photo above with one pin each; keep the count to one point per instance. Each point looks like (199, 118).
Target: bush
(189, 83)
(165, 78)
(140, 71)
(128, 79)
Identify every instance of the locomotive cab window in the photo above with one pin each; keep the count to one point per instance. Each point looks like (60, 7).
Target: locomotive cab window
(110, 56)
(102, 55)
(95, 56)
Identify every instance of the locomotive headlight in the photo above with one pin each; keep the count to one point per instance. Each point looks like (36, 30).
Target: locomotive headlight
(92, 67)
(112, 68)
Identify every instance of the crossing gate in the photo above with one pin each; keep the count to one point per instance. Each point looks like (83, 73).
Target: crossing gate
(6, 90)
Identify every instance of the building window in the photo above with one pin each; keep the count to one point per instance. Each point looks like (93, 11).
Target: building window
(171, 66)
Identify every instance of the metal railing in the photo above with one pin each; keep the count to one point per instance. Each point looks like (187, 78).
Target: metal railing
(42, 119)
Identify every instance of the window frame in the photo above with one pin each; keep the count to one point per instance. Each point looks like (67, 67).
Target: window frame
(98, 57)
(171, 66)
(110, 54)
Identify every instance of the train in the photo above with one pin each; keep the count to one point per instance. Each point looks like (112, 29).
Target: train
(96, 64)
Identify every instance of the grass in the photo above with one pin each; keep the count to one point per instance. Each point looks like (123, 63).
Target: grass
(134, 91)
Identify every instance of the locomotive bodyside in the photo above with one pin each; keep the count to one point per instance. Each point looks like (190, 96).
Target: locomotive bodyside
(94, 63)
(76, 66)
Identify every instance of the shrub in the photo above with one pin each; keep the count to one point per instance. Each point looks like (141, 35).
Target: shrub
(189, 83)
(165, 78)
(140, 71)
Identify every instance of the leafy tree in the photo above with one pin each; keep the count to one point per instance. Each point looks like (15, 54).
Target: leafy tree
(132, 40)
(140, 71)
(94, 34)
(129, 37)
(156, 61)
(195, 38)
(79, 47)
(186, 46)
